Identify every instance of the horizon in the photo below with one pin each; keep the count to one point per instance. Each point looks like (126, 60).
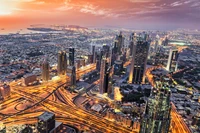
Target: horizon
(128, 14)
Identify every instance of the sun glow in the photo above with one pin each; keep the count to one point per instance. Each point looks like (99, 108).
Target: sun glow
(7, 7)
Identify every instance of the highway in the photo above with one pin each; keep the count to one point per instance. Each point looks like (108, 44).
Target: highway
(58, 101)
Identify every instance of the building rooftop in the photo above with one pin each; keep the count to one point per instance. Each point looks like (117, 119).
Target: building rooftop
(45, 116)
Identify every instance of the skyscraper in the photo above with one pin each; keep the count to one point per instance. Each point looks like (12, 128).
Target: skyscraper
(93, 54)
(71, 56)
(133, 38)
(157, 114)
(99, 58)
(119, 43)
(106, 50)
(172, 63)
(45, 70)
(62, 63)
(139, 60)
(73, 76)
(102, 76)
(156, 48)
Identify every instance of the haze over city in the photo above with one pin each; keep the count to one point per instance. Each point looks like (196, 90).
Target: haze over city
(99, 66)
(135, 14)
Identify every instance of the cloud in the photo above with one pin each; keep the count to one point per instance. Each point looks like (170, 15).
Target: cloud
(177, 3)
(89, 8)
(64, 8)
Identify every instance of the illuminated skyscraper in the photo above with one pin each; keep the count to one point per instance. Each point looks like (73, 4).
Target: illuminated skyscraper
(102, 76)
(62, 63)
(172, 63)
(71, 56)
(157, 115)
(45, 70)
(139, 60)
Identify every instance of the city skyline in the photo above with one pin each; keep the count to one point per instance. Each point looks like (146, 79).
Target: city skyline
(132, 14)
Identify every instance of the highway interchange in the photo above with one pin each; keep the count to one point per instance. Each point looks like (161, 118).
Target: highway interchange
(52, 96)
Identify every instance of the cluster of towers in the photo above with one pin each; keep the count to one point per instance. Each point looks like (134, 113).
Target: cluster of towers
(66, 64)
(111, 59)
(156, 119)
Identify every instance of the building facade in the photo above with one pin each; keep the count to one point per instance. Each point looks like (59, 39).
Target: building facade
(172, 63)
(45, 71)
(157, 114)
(139, 61)
(62, 63)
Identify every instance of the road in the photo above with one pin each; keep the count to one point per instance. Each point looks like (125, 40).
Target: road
(52, 96)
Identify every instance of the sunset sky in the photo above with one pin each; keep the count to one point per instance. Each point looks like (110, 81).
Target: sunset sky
(136, 14)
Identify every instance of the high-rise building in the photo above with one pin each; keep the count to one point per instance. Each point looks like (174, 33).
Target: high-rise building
(46, 122)
(99, 58)
(73, 76)
(156, 48)
(4, 91)
(165, 42)
(172, 63)
(106, 50)
(139, 60)
(119, 42)
(45, 70)
(62, 63)
(78, 63)
(133, 39)
(71, 56)
(82, 61)
(108, 80)
(93, 54)
(102, 76)
(156, 118)
(90, 59)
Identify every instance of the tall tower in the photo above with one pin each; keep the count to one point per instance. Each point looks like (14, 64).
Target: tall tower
(119, 42)
(133, 38)
(62, 63)
(102, 76)
(157, 114)
(73, 76)
(172, 60)
(139, 60)
(93, 54)
(45, 70)
(71, 56)
(156, 48)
